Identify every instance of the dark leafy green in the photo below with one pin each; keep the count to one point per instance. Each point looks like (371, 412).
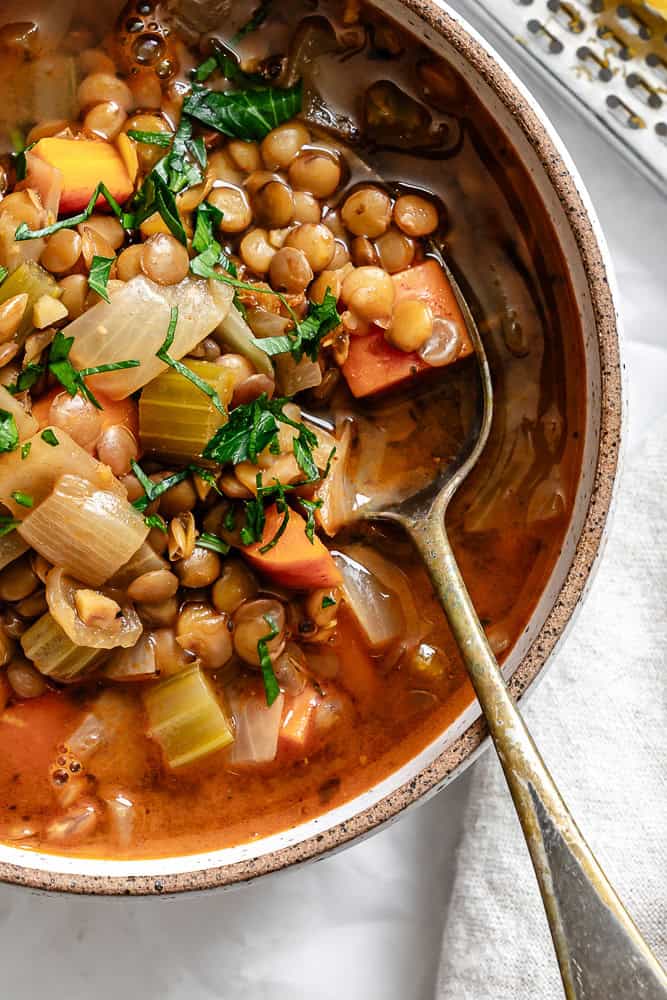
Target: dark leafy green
(150, 138)
(271, 686)
(308, 334)
(178, 366)
(244, 114)
(98, 278)
(49, 436)
(25, 450)
(328, 602)
(209, 252)
(7, 524)
(207, 540)
(3, 274)
(155, 521)
(23, 499)
(9, 435)
(69, 377)
(28, 377)
(24, 233)
(311, 506)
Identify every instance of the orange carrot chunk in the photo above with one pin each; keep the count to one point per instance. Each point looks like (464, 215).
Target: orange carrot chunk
(294, 560)
(297, 718)
(83, 163)
(373, 365)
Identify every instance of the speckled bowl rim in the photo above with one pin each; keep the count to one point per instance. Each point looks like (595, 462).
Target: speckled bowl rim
(583, 225)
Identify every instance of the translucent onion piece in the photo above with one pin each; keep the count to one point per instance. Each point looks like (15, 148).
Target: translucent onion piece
(293, 376)
(98, 531)
(176, 419)
(26, 424)
(134, 324)
(396, 582)
(55, 655)
(548, 500)
(337, 491)
(121, 812)
(61, 590)
(377, 610)
(46, 180)
(235, 334)
(135, 664)
(257, 729)
(11, 547)
(186, 718)
(144, 560)
(37, 474)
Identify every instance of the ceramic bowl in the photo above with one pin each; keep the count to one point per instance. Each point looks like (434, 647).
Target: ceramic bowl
(576, 227)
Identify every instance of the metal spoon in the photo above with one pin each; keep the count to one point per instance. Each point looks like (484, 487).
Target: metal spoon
(600, 950)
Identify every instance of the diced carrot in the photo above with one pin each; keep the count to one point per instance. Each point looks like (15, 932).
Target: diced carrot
(358, 671)
(113, 412)
(128, 150)
(83, 163)
(294, 560)
(297, 718)
(373, 365)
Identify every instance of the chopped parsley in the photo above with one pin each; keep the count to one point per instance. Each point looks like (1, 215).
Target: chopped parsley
(155, 521)
(207, 540)
(328, 602)
(22, 499)
(209, 252)
(150, 138)
(9, 434)
(24, 233)
(182, 369)
(3, 274)
(28, 377)
(271, 686)
(308, 333)
(25, 450)
(98, 278)
(310, 506)
(7, 524)
(49, 436)
(72, 379)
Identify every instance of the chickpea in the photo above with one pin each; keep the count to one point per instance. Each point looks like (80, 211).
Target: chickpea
(165, 260)
(33, 606)
(159, 614)
(251, 625)
(316, 171)
(233, 202)
(205, 632)
(18, 580)
(314, 240)
(179, 499)
(282, 144)
(290, 271)
(200, 569)
(363, 252)
(46, 129)
(62, 251)
(322, 606)
(105, 119)
(153, 587)
(415, 215)
(108, 227)
(341, 256)
(146, 90)
(25, 680)
(93, 244)
(244, 155)
(331, 281)
(369, 293)
(252, 388)
(129, 262)
(7, 646)
(100, 87)
(132, 486)
(116, 447)
(148, 154)
(273, 203)
(96, 61)
(222, 168)
(367, 212)
(256, 251)
(306, 207)
(240, 367)
(235, 585)
(74, 290)
(12, 312)
(411, 325)
(395, 250)
(23, 206)
(169, 656)
(78, 417)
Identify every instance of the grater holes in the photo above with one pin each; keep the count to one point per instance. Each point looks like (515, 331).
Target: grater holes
(615, 44)
(567, 15)
(523, 3)
(595, 63)
(658, 65)
(548, 42)
(661, 131)
(632, 23)
(596, 6)
(642, 89)
(624, 114)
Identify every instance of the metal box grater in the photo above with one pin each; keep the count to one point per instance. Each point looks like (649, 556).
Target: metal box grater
(611, 59)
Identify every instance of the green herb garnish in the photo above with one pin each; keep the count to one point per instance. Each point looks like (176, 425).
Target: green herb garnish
(178, 366)
(98, 278)
(49, 436)
(25, 450)
(328, 602)
(244, 114)
(21, 162)
(3, 273)
(155, 521)
(322, 318)
(24, 233)
(310, 506)
(9, 434)
(154, 490)
(207, 540)
(7, 524)
(150, 138)
(67, 374)
(271, 686)
(23, 499)
(28, 377)
(256, 21)
(209, 252)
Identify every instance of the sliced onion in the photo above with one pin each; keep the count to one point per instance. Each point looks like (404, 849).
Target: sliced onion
(46, 180)
(235, 334)
(264, 323)
(548, 500)
(376, 609)
(122, 813)
(444, 344)
(133, 326)
(396, 582)
(296, 376)
(257, 729)
(138, 663)
(60, 595)
(337, 491)
(290, 670)
(97, 530)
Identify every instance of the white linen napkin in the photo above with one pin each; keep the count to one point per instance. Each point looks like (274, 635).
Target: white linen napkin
(599, 719)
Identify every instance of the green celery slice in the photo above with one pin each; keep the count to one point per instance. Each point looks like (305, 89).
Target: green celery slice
(55, 655)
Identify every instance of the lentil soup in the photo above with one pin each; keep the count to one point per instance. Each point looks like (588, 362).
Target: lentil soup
(223, 325)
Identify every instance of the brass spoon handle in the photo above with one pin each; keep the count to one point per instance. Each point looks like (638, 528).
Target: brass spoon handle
(600, 950)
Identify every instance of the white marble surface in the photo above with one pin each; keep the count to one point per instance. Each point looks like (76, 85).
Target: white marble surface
(366, 924)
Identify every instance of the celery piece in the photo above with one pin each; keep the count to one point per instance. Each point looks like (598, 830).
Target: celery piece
(32, 279)
(144, 560)
(186, 718)
(56, 656)
(176, 419)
